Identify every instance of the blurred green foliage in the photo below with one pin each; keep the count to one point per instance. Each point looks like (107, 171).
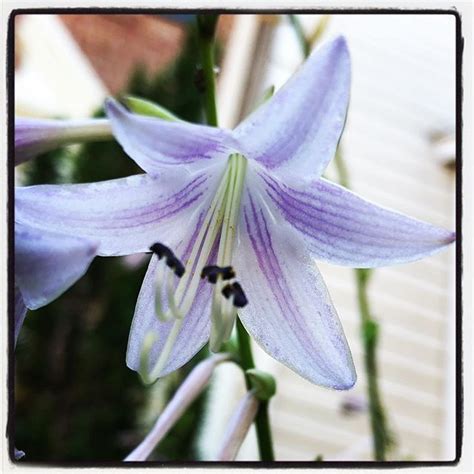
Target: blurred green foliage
(76, 400)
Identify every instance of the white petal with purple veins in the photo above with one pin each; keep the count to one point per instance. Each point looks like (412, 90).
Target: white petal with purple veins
(343, 228)
(155, 144)
(125, 215)
(191, 338)
(48, 263)
(297, 131)
(290, 313)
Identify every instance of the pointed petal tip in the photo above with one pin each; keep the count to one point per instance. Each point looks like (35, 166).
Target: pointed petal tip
(340, 42)
(47, 263)
(338, 45)
(336, 49)
(440, 238)
(347, 382)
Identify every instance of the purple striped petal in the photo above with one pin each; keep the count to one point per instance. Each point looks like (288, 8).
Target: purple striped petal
(341, 227)
(48, 263)
(126, 215)
(36, 136)
(155, 143)
(297, 131)
(290, 313)
(20, 312)
(196, 327)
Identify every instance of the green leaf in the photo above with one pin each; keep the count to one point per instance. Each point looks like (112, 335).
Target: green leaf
(262, 383)
(267, 94)
(148, 108)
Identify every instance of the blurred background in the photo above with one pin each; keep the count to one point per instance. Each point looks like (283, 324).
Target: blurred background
(75, 399)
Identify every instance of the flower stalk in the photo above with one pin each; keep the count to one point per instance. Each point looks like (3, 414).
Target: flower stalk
(369, 329)
(381, 438)
(206, 25)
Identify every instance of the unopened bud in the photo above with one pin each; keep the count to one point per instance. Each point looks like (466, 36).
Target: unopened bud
(238, 427)
(36, 136)
(189, 390)
(353, 404)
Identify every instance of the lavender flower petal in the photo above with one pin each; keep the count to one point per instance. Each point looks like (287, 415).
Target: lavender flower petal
(47, 263)
(20, 312)
(36, 136)
(193, 335)
(126, 215)
(342, 228)
(297, 131)
(290, 313)
(154, 143)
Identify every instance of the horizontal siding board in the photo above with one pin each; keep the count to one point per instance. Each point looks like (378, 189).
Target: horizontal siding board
(402, 90)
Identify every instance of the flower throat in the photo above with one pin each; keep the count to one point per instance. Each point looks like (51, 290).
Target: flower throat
(174, 302)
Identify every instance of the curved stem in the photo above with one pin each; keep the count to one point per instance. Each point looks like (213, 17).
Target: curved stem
(369, 329)
(369, 332)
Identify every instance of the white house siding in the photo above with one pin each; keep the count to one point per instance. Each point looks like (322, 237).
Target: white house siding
(403, 89)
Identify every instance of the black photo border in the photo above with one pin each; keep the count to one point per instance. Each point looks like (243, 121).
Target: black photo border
(459, 251)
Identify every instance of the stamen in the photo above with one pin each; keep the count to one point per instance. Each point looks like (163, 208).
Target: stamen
(221, 217)
(224, 312)
(216, 336)
(235, 290)
(171, 293)
(171, 260)
(150, 338)
(229, 314)
(160, 278)
(161, 250)
(176, 265)
(227, 291)
(223, 318)
(212, 272)
(187, 287)
(148, 342)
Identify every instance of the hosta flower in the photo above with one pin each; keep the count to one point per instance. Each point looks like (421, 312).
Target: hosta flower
(251, 199)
